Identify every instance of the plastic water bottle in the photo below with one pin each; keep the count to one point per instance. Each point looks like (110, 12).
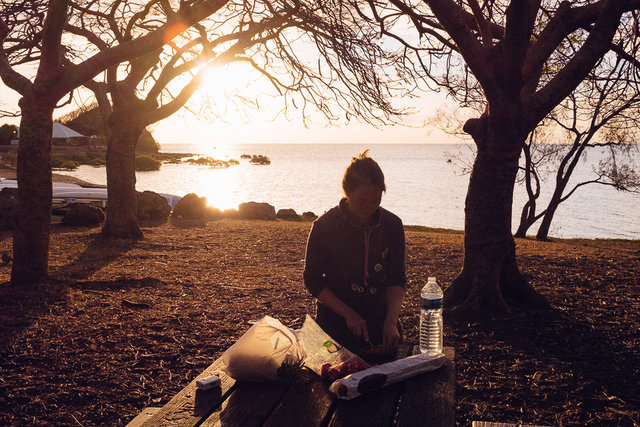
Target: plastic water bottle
(431, 317)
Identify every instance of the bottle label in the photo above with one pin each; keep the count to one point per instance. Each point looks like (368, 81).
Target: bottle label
(431, 304)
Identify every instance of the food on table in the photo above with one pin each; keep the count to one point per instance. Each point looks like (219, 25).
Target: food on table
(342, 369)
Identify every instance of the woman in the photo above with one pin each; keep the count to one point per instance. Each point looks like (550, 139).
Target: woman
(355, 265)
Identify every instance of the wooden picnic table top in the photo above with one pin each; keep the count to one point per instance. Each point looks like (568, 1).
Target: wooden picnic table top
(424, 400)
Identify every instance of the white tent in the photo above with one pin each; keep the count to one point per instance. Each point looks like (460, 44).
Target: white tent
(61, 131)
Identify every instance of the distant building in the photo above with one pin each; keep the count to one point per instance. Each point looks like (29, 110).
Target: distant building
(61, 131)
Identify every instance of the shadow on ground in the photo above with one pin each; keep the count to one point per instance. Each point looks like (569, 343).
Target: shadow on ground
(99, 253)
(571, 364)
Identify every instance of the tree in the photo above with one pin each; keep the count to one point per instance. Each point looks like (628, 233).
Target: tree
(600, 113)
(534, 156)
(33, 32)
(7, 133)
(266, 37)
(501, 54)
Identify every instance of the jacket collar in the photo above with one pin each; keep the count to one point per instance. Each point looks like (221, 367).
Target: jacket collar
(346, 216)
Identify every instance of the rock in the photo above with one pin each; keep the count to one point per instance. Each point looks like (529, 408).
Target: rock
(255, 210)
(83, 214)
(191, 206)
(152, 206)
(7, 207)
(309, 216)
(288, 215)
(231, 213)
(213, 213)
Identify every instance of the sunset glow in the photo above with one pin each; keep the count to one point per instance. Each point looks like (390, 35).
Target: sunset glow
(219, 189)
(230, 85)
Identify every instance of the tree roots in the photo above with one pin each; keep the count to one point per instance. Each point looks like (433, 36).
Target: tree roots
(485, 290)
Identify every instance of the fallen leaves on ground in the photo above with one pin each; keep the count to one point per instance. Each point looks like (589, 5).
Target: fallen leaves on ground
(121, 325)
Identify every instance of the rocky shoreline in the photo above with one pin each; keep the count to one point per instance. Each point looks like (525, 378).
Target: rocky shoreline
(189, 207)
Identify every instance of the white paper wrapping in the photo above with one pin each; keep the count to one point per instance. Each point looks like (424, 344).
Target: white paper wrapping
(380, 376)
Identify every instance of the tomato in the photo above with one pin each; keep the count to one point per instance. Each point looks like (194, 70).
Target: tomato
(334, 374)
(340, 370)
(324, 369)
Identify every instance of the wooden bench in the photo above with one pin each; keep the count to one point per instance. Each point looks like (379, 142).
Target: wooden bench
(424, 400)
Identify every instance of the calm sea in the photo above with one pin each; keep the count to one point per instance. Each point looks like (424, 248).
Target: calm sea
(425, 185)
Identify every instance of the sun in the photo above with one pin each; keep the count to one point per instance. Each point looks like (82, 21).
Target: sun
(228, 81)
(237, 95)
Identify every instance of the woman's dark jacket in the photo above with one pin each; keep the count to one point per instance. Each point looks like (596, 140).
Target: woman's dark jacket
(357, 263)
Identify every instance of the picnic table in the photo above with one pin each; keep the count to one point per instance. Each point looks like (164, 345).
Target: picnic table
(424, 400)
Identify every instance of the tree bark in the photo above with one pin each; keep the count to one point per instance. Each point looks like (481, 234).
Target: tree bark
(528, 215)
(527, 219)
(550, 211)
(490, 281)
(122, 135)
(33, 210)
(563, 174)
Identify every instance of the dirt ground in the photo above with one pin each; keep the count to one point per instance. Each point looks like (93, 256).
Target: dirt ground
(122, 326)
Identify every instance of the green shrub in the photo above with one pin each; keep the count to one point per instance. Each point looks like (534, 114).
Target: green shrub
(68, 161)
(76, 157)
(7, 133)
(94, 161)
(146, 143)
(147, 163)
(66, 164)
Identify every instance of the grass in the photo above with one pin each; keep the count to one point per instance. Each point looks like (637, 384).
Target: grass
(422, 228)
(629, 244)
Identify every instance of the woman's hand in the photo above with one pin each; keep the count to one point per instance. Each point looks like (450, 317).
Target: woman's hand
(357, 325)
(390, 336)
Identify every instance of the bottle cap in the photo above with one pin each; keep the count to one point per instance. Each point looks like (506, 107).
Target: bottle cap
(432, 279)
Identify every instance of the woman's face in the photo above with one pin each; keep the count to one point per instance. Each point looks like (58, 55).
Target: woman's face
(364, 200)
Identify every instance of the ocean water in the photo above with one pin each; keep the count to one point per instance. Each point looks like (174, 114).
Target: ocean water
(426, 185)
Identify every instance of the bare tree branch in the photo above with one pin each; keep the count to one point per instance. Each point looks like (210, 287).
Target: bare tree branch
(9, 76)
(6, 114)
(594, 47)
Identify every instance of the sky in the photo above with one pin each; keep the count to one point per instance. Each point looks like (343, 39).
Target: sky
(251, 126)
(258, 126)
(186, 128)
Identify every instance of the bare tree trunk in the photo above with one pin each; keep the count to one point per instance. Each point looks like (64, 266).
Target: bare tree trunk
(528, 216)
(527, 219)
(122, 135)
(490, 280)
(33, 210)
(552, 207)
(563, 174)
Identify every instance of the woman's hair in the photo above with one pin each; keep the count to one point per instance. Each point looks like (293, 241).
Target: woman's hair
(362, 170)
